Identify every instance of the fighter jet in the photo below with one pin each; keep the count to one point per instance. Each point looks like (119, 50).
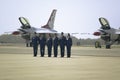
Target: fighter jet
(26, 30)
(108, 34)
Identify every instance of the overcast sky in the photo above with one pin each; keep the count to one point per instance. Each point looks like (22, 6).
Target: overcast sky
(72, 15)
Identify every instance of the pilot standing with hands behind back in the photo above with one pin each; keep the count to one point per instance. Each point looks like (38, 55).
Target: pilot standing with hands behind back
(49, 45)
(62, 44)
(35, 41)
(55, 45)
(69, 44)
(42, 41)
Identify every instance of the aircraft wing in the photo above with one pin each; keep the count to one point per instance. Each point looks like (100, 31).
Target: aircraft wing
(43, 30)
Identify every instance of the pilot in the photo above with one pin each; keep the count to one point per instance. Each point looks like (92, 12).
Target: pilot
(68, 45)
(55, 44)
(42, 41)
(62, 41)
(35, 40)
(49, 45)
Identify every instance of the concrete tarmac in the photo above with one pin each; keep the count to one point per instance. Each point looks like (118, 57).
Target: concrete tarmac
(86, 63)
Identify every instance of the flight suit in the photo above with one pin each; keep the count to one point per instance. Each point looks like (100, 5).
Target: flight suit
(69, 44)
(62, 45)
(49, 46)
(42, 41)
(55, 43)
(35, 41)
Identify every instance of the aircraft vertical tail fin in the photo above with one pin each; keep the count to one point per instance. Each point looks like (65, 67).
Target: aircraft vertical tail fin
(50, 23)
(104, 23)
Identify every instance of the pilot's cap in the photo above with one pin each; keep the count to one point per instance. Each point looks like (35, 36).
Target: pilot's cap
(62, 33)
(68, 34)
